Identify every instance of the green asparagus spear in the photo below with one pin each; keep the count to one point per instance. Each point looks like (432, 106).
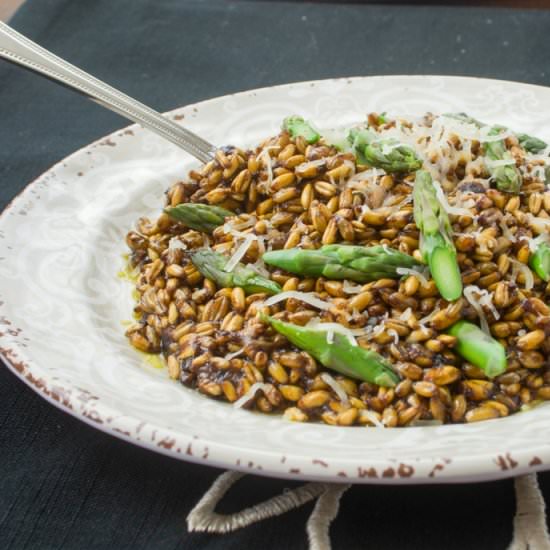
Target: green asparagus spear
(436, 245)
(359, 138)
(478, 348)
(392, 156)
(507, 178)
(212, 265)
(202, 217)
(531, 144)
(540, 261)
(340, 355)
(336, 261)
(464, 117)
(297, 126)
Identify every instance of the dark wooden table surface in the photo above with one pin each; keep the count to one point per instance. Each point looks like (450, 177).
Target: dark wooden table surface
(66, 485)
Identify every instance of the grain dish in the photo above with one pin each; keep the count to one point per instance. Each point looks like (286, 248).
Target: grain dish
(391, 274)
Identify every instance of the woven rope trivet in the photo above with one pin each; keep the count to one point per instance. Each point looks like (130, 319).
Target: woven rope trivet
(530, 529)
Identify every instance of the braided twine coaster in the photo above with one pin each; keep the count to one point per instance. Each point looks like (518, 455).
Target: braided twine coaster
(530, 530)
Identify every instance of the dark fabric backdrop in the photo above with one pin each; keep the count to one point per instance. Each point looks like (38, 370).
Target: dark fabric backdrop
(65, 485)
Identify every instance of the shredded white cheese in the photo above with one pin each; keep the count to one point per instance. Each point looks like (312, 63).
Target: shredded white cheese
(406, 315)
(537, 223)
(351, 165)
(416, 273)
(307, 297)
(176, 244)
(372, 418)
(229, 229)
(518, 267)
(336, 387)
(428, 317)
(359, 180)
(469, 131)
(486, 299)
(234, 354)
(240, 252)
(266, 158)
(350, 288)
(470, 293)
(336, 328)
(506, 232)
(311, 164)
(377, 330)
(244, 399)
(259, 267)
(393, 333)
(453, 210)
(239, 224)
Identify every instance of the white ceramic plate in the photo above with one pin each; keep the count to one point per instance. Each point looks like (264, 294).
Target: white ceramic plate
(61, 302)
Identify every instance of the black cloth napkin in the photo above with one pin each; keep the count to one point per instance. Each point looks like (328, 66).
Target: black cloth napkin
(66, 485)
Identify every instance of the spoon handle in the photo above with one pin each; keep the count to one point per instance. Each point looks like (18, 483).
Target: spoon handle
(18, 49)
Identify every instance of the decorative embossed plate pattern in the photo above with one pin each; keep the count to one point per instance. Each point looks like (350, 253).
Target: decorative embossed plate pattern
(61, 303)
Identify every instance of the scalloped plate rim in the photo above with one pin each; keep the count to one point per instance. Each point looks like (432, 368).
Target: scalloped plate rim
(21, 365)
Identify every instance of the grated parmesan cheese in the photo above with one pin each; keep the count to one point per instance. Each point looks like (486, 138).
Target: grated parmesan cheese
(307, 297)
(240, 252)
(244, 399)
(372, 418)
(234, 354)
(266, 158)
(350, 288)
(358, 180)
(518, 267)
(418, 274)
(466, 130)
(242, 224)
(259, 267)
(453, 210)
(311, 164)
(469, 293)
(176, 244)
(230, 230)
(487, 301)
(537, 223)
(428, 317)
(406, 315)
(393, 333)
(506, 231)
(336, 328)
(336, 387)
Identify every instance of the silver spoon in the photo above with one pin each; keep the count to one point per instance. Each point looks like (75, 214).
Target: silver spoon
(18, 49)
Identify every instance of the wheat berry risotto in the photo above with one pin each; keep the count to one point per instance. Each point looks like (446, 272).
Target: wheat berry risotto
(390, 274)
